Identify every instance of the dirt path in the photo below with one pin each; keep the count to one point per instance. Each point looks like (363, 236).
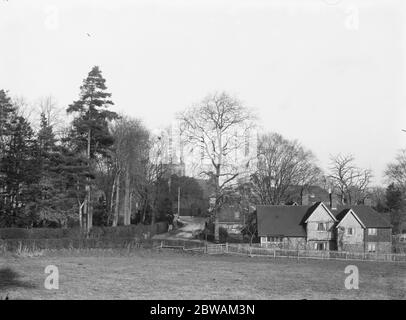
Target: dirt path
(191, 226)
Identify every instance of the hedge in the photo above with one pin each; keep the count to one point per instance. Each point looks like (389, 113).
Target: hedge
(130, 231)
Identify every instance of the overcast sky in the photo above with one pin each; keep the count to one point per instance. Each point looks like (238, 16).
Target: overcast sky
(330, 73)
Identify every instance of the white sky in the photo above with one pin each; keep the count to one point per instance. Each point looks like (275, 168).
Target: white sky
(330, 73)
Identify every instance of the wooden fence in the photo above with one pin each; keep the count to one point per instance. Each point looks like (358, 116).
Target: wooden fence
(257, 251)
(310, 254)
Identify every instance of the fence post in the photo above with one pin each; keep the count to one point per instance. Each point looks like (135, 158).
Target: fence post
(226, 247)
(274, 253)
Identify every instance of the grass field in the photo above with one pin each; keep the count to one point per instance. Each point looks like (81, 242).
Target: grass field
(148, 274)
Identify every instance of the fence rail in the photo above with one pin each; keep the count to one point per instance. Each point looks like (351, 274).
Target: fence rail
(241, 249)
(193, 246)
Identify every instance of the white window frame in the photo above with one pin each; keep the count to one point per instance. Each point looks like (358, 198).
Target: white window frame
(324, 226)
(371, 247)
(316, 244)
(372, 231)
(352, 231)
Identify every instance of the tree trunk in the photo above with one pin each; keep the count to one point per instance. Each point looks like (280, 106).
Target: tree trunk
(80, 216)
(88, 197)
(218, 174)
(127, 198)
(144, 211)
(113, 190)
(130, 206)
(115, 218)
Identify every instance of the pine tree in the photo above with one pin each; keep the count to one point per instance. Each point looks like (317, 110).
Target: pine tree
(50, 211)
(396, 204)
(90, 133)
(7, 112)
(18, 167)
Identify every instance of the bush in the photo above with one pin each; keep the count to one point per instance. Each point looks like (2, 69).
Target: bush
(130, 231)
(223, 234)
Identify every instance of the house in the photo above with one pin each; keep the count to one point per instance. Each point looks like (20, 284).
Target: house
(232, 219)
(320, 227)
(361, 228)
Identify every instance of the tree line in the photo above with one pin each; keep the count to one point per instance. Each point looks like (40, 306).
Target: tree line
(108, 169)
(102, 169)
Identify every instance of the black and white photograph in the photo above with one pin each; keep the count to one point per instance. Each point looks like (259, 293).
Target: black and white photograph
(212, 153)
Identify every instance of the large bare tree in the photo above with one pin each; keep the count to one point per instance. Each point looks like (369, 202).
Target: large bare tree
(150, 176)
(217, 126)
(131, 148)
(349, 181)
(282, 164)
(396, 171)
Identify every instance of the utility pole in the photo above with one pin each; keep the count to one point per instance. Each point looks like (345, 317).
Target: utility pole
(178, 201)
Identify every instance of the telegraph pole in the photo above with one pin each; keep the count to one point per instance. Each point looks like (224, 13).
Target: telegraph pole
(178, 201)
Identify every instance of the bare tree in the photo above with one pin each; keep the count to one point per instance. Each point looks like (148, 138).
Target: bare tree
(150, 175)
(350, 182)
(396, 171)
(55, 115)
(217, 126)
(282, 164)
(131, 148)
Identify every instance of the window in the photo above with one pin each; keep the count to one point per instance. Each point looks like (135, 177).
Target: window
(321, 226)
(372, 231)
(320, 246)
(268, 239)
(350, 231)
(371, 247)
(236, 215)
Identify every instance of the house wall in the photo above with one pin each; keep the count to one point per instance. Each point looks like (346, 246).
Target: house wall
(382, 240)
(292, 243)
(320, 215)
(330, 244)
(346, 242)
(232, 228)
(382, 235)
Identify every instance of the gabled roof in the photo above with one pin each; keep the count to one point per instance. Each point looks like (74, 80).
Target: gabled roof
(368, 216)
(316, 205)
(341, 216)
(282, 220)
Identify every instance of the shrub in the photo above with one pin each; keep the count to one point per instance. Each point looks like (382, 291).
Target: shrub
(223, 234)
(130, 231)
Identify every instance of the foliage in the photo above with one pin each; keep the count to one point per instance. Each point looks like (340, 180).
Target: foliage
(281, 164)
(217, 127)
(349, 181)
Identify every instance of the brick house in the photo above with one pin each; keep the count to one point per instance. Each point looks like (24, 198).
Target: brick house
(361, 228)
(319, 227)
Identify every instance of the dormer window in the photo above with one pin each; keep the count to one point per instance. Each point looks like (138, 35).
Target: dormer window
(372, 231)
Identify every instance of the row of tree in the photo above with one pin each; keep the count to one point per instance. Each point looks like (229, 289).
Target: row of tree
(108, 169)
(279, 164)
(103, 168)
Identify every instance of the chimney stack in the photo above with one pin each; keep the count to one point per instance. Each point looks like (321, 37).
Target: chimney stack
(333, 200)
(305, 198)
(330, 198)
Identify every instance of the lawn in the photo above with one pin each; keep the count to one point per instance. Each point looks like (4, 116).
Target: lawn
(149, 274)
